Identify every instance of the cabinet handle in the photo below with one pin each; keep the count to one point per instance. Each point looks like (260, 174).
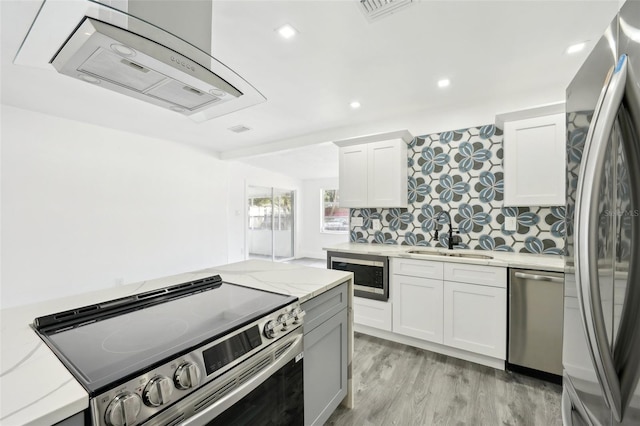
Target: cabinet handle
(537, 277)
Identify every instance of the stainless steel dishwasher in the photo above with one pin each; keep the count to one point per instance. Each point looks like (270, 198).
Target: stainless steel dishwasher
(535, 321)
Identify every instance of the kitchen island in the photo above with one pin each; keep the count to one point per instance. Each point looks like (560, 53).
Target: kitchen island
(36, 388)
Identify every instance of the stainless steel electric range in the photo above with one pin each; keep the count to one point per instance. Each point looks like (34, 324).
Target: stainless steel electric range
(204, 352)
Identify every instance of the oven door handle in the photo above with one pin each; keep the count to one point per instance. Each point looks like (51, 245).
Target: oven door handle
(294, 340)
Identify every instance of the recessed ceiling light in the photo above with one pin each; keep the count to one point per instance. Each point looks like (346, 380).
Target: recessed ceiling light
(355, 104)
(287, 31)
(444, 82)
(575, 48)
(240, 128)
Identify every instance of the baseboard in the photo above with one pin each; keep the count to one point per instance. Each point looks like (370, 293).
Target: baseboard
(531, 372)
(312, 254)
(498, 364)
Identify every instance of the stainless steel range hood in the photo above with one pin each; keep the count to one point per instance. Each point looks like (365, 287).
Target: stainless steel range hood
(105, 45)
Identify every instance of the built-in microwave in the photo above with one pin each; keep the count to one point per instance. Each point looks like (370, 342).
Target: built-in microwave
(370, 273)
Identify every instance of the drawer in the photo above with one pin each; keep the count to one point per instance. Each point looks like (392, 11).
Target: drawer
(322, 307)
(373, 313)
(417, 268)
(493, 276)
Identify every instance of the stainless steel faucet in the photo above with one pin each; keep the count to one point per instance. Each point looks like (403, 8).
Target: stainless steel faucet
(452, 239)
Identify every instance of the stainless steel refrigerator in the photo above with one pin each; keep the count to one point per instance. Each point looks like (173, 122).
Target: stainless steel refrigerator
(601, 334)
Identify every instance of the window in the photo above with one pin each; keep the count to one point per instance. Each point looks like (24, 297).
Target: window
(333, 218)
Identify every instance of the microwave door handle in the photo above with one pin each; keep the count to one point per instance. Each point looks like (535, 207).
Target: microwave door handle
(586, 232)
(627, 346)
(355, 261)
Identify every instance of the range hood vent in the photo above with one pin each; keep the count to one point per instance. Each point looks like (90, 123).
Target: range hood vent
(117, 51)
(377, 9)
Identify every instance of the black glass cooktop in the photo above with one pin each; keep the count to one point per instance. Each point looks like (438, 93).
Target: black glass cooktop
(110, 350)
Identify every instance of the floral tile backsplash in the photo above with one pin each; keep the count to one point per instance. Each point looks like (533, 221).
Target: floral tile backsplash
(461, 172)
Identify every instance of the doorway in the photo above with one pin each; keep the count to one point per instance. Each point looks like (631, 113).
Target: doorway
(270, 231)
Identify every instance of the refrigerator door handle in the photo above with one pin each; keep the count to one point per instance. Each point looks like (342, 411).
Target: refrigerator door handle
(586, 232)
(627, 346)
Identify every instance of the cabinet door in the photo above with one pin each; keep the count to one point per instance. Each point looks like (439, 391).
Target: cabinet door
(325, 369)
(372, 313)
(418, 307)
(387, 172)
(475, 318)
(353, 176)
(534, 161)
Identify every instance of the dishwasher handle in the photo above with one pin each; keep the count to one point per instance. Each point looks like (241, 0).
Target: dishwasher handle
(537, 277)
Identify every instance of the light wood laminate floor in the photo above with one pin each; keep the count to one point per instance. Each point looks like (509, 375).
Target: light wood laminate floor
(400, 385)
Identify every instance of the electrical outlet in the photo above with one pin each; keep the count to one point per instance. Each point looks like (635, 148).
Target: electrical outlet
(510, 223)
(376, 225)
(357, 221)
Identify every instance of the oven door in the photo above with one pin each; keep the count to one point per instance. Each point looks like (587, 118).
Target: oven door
(370, 276)
(265, 389)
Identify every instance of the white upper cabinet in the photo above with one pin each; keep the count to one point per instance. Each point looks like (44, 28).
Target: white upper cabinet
(353, 176)
(373, 170)
(534, 161)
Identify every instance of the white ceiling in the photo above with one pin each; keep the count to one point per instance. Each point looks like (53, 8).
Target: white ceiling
(497, 54)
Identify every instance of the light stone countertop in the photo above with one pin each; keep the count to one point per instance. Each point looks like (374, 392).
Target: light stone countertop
(543, 262)
(36, 388)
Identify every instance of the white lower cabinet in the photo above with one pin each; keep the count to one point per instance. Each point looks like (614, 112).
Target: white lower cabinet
(475, 318)
(458, 305)
(419, 306)
(372, 313)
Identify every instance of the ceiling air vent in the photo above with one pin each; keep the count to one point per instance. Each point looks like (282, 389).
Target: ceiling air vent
(377, 9)
(239, 128)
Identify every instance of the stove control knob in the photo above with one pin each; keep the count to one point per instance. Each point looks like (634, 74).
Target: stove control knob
(187, 376)
(297, 315)
(158, 391)
(272, 329)
(286, 320)
(123, 409)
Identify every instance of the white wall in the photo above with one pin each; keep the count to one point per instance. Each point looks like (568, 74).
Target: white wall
(311, 239)
(85, 206)
(242, 175)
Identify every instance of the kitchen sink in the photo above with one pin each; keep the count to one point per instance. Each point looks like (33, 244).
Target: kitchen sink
(427, 252)
(470, 255)
(451, 254)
